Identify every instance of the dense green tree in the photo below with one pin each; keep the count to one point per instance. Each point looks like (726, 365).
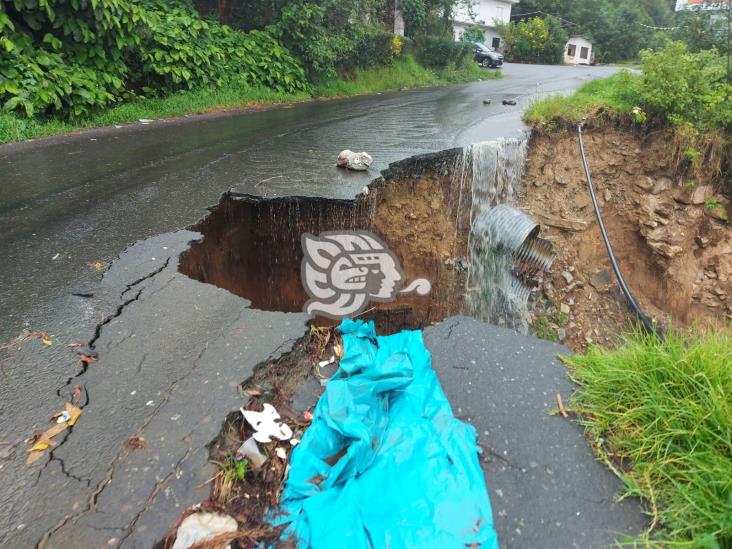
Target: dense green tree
(534, 40)
(473, 33)
(618, 28)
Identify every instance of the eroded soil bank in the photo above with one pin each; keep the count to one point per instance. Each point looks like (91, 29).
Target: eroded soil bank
(670, 235)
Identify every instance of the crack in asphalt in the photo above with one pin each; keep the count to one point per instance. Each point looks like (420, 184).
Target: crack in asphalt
(52, 457)
(144, 278)
(155, 491)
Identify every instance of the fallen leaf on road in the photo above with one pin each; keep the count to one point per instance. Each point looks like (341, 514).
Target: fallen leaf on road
(47, 342)
(86, 359)
(42, 441)
(73, 411)
(135, 443)
(99, 265)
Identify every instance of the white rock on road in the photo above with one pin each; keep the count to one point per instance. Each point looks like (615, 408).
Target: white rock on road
(359, 162)
(200, 527)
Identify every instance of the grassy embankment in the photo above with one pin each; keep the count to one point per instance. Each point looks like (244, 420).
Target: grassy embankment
(660, 413)
(603, 99)
(404, 73)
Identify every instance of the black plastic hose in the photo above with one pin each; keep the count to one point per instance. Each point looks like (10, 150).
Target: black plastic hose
(644, 320)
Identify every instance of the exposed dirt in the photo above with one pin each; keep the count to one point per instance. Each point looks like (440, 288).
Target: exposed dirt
(252, 245)
(670, 235)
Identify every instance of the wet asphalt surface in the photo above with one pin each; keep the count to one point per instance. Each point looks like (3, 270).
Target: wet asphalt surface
(86, 197)
(172, 350)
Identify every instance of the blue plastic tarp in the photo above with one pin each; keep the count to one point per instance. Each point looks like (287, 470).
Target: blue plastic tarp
(384, 463)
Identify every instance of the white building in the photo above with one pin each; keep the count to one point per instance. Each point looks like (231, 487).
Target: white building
(703, 4)
(578, 51)
(484, 13)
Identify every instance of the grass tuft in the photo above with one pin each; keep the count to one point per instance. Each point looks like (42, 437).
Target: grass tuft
(660, 414)
(607, 98)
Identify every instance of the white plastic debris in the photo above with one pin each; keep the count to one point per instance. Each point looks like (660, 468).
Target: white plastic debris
(200, 527)
(63, 417)
(294, 441)
(250, 451)
(323, 363)
(267, 424)
(354, 161)
(55, 257)
(281, 453)
(145, 120)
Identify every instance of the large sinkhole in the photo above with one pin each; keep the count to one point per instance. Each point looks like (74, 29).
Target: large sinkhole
(443, 215)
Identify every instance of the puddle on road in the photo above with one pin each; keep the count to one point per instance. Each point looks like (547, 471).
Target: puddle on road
(423, 208)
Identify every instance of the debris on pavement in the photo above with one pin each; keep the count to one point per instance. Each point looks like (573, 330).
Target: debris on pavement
(87, 351)
(42, 441)
(511, 102)
(486, 101)
(324, 363)
(359, 162)
(250, 451)
(135, 443)
(82, 292)
(99, 265)
(560, 403)
(383, 404)
(267, 424)
(200, 527)
(281, 453)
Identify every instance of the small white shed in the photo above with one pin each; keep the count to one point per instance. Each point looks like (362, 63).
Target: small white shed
(578, 51)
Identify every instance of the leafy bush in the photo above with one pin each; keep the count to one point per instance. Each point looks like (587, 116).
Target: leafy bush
(372, 47)
(69, 57)
(536, 40)
(415, 15)
(680, 87)
(439, 52)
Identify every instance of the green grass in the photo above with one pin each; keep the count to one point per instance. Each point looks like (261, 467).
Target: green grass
(608, 97)
(543, 329)
(406, 73)
(15, 128)
(660, 414)
(403, 73)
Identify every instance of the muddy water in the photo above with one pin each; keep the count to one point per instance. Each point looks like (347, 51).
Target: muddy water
(434, 211)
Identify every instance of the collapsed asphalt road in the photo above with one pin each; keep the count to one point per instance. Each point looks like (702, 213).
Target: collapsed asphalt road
(172, 357)
(173, 351)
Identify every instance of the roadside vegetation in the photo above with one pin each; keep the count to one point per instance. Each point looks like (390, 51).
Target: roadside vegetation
(618, 29)
(660, 412)
(72, 65)
(686, 92)
(660, 415)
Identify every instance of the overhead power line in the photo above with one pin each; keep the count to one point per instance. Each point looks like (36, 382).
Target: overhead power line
(516, 15)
